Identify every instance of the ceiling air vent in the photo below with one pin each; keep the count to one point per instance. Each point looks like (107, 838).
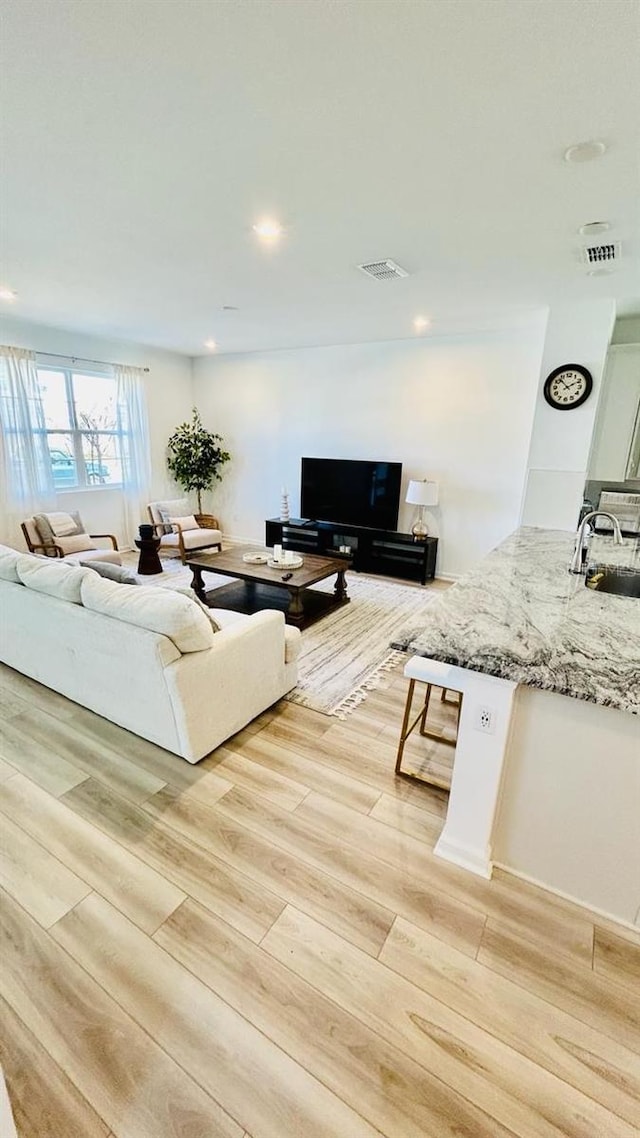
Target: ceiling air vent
(601, 254)
(383, 270)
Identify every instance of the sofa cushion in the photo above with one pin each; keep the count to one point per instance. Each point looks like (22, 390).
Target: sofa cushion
(160, 610)
(8, 561)
(226, 618)
(56, 578)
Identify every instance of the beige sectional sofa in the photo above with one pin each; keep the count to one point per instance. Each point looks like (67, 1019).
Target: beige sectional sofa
(147, 658)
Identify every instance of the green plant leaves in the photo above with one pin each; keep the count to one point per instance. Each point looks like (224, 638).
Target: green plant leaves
(195, 455)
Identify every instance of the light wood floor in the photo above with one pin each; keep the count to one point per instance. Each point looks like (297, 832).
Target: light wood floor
(264, 945)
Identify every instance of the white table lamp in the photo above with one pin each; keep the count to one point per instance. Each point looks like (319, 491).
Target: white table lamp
(421, 493)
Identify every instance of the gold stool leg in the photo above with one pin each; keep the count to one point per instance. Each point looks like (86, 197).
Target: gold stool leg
(403, 731)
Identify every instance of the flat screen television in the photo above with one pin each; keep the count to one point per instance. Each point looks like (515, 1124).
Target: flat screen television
(351, 492)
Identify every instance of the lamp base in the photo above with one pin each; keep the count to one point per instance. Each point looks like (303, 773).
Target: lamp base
(419, 530)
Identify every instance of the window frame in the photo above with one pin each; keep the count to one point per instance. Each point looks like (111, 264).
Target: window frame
(76, 432)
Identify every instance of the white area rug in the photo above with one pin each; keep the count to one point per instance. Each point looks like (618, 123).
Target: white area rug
(345, 654)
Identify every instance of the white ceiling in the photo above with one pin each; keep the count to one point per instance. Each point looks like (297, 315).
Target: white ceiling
(141, 139)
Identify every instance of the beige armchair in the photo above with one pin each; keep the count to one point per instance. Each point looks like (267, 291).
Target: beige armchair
(182, 539)
(40, 536)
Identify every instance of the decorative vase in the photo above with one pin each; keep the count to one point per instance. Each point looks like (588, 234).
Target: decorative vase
(284, 505)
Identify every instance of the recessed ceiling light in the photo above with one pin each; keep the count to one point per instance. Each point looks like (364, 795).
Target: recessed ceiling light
(211, 345)
(8, 294)
(585, 151)
(593, 227)
(268, 229)
(420, 323)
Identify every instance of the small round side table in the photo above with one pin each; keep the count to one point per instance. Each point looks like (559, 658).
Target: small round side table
(148, 561)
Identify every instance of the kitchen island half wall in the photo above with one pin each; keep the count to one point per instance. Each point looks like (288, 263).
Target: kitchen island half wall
(554, 793)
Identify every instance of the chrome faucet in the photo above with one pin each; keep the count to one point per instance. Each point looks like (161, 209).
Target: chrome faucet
(576, 565)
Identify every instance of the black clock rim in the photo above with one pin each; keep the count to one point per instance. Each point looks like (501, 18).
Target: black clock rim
(584, 372)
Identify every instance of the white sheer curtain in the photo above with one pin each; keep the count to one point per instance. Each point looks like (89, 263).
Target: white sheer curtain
(136, 464)
(26, 482)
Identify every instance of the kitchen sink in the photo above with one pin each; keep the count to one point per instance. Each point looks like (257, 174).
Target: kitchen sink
(620, 580)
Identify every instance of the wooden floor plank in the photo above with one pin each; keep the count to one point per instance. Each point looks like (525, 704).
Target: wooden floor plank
(587, 996)
(509, 1087)
(11, 704)
(261, 749)
(220, 1049)
(551, 1038)
(345, 1054)
(364, 922)
(44, 1101)
(564, 932)
(35, 694)
(111, 767)
(406, 818)
(35, 878)
(127, 1078)
(388, 1015)
(217, 885)
(160, 764)
(395, 889)
(134, 887)
(6, 770)
(241, 771)
(616, 958)
(38, 761)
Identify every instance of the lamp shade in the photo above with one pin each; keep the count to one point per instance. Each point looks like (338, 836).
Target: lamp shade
(422, 493)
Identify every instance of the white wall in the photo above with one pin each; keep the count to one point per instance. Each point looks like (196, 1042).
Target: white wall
(169, 401)
(458, 410)
(561, 440)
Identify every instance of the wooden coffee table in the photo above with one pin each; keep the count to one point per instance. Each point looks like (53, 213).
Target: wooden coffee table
(260, 587)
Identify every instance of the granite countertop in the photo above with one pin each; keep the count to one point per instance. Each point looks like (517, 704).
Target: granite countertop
(522, 616)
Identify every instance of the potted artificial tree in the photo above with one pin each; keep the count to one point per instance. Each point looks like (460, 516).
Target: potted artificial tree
(195, 457)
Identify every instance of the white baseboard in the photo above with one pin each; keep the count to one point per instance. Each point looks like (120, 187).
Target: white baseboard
(568, 897)
(467, 858)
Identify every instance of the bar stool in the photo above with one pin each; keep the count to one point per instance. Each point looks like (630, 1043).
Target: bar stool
(416, 671)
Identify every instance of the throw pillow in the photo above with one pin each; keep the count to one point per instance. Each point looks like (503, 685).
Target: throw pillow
(51, 526)
(159, 610)
(187, 591)
(112, 572)
(178, 508)
(186, 523)
(8, 561)
(77, 543)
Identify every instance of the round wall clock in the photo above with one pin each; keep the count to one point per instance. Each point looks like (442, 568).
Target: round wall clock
(568, 386)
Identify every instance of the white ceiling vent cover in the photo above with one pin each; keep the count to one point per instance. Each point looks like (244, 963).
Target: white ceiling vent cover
(601, 254)
(383, 270)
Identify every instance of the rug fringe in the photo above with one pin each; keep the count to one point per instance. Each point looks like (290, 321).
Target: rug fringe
(358, 696)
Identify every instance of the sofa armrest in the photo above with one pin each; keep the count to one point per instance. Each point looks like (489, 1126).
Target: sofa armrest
(217, 692)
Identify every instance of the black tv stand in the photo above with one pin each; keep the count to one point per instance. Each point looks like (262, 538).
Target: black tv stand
(380, 551)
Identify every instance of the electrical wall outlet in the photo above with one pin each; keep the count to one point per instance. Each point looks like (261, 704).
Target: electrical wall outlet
(485, 719)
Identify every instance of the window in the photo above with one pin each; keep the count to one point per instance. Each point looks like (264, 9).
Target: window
(83, 429)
